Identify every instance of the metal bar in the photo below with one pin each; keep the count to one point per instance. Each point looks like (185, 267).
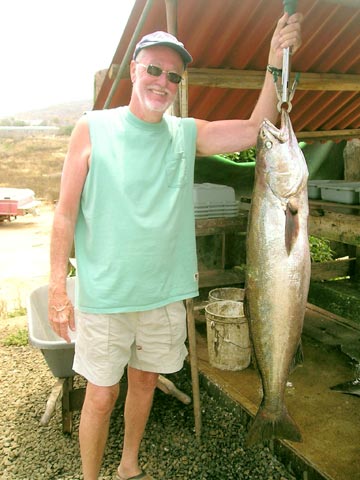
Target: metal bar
(171, 16)
(290, 8)
(172, 27)
(127, 57)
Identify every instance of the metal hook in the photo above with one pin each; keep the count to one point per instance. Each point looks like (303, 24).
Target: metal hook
(279, 92)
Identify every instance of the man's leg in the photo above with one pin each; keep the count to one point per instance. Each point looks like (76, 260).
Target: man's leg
(141, 386)
(94, 426)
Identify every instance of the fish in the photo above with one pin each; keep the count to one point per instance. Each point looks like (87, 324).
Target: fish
(351, 387)
(277, 273)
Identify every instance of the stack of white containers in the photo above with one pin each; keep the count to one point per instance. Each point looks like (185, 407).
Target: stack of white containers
(212, 200)
(339, 191)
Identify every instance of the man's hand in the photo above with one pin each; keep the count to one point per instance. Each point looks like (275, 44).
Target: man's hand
(61, 314)
(287, 34)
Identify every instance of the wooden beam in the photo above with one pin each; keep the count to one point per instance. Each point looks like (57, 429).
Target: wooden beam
(335, 226)
(345, 3)
(328, 135)
(333, 269)
(253, 79)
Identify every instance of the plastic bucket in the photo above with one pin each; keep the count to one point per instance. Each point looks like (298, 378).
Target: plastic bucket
(227, 335)
(227, 293)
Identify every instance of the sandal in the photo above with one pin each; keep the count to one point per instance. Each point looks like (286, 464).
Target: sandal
(141, 476)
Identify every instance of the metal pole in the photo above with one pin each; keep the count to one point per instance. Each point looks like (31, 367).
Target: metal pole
(171, 24)
(290, 8)
(127, 57)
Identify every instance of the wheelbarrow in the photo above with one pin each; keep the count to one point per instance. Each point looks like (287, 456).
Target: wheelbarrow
(59, 357)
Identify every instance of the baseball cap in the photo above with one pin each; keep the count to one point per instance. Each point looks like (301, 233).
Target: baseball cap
(166, 39)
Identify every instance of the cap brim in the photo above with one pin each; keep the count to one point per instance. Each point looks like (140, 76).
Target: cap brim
(184, 54)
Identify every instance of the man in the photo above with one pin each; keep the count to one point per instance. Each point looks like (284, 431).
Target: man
(126, 194)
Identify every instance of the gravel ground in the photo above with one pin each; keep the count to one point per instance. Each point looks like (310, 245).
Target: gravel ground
(169, 449)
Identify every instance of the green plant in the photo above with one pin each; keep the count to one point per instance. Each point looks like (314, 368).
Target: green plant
(19, 311)
(248, 155)
(244, 156)
(66, 130)
(19, 338)
(320, 250)
(3, 308)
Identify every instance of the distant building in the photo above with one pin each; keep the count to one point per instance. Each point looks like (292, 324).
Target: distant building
(27, 131)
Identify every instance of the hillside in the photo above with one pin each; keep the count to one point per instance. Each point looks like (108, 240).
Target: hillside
(58, 115)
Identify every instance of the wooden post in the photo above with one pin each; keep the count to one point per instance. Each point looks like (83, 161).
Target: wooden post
(67, 414)
(51, 403)
(194, 365)
(352, 160)
(180, 105)
(168, 387)
(180, 109)
(352, 174)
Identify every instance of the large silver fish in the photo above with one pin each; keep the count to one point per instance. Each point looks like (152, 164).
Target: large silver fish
(278, 272)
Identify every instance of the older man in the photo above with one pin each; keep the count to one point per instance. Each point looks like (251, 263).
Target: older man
(126, 195)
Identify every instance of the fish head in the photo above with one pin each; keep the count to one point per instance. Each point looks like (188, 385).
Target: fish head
(279, 159)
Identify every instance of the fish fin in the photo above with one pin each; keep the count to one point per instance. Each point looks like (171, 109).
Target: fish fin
(267, 427)
(292, 226)
(247, 315)
(298, 358)
(351, 388)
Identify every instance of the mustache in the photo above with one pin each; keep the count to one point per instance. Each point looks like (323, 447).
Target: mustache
(159, 89)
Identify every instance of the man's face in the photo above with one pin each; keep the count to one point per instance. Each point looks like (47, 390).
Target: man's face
(155, 94)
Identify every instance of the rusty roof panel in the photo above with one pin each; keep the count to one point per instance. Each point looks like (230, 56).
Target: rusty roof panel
(234, 34)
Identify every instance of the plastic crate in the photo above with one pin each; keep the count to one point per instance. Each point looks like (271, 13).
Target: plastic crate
(212, 200)
(213, 194)
(345, 192)
(314, 188)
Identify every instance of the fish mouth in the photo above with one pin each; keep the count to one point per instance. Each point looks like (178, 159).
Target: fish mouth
(268, 131)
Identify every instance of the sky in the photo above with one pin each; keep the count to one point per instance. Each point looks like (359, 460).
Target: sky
(50, 50)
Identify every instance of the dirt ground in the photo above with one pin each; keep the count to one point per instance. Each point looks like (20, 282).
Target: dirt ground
(24, 257)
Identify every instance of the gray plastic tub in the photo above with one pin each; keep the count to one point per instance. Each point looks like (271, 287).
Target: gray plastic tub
(346, 192)
(314, 188)
(58, 354)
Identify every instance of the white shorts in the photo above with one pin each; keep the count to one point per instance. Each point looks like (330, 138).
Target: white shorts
(151, 341)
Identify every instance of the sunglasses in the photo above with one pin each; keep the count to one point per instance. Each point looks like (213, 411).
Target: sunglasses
(155, 71)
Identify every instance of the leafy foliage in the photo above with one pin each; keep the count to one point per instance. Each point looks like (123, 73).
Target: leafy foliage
(320, 250)
(18, 339)
(245, 156)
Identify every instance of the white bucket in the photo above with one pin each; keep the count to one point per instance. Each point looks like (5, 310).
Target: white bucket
(227, 293)
(228, 338)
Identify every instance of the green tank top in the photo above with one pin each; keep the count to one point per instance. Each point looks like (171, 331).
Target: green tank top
(135, 234)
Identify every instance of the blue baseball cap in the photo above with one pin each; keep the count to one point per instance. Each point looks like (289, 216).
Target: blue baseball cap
(165, 39)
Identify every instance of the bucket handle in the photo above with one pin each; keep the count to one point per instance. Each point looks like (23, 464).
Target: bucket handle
(218, 335)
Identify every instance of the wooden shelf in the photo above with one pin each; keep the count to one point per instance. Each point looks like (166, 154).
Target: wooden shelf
(217, 226)
(219, 278)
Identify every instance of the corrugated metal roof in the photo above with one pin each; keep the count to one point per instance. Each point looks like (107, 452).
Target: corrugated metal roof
(235, 35)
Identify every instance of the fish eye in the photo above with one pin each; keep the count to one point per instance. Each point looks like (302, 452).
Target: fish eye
(268, 144)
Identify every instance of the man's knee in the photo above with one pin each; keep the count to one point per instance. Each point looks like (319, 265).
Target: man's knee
(140, 380)
(100, 400)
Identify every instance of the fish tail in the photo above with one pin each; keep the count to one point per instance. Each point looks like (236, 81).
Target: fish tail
(267, 427)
